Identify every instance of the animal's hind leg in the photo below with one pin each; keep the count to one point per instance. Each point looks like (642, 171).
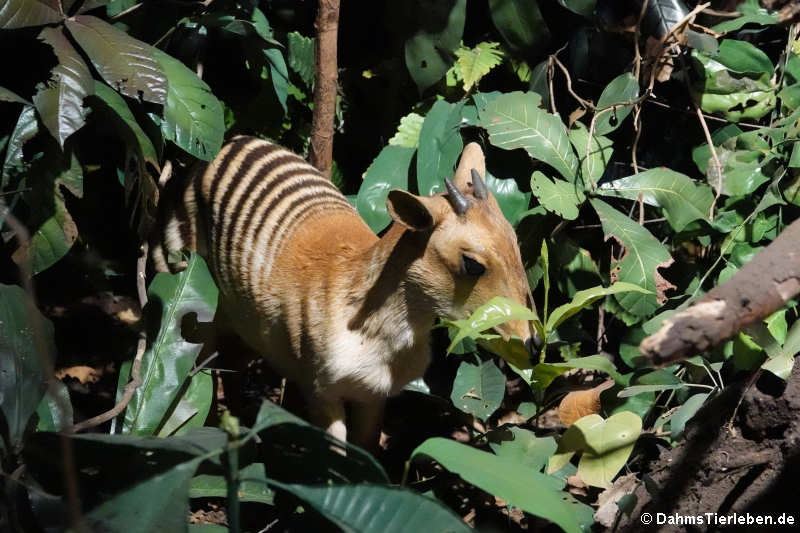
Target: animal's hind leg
(329, 414)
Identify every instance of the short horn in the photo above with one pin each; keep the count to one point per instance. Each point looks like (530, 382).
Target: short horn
(478, 186)
(458, 201)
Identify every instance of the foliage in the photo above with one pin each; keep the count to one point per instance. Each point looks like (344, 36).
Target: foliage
(625, 210)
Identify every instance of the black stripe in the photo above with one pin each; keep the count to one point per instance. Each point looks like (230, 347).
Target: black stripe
(184, 224)
(236, 212)
(252, 157)
(236, 147)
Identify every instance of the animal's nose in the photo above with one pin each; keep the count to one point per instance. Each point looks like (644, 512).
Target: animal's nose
(534, 346)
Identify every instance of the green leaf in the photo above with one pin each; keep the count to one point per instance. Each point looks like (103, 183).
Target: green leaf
(638, 263)
(513, 203)
(524, 448)
(321, 459)
(478, 389)
(26, 348)
(60, 101)
(55, 409)
(608, 444)
(377, 509)
(427, 52)
(623, 88)
(681, 199)
(514, 120)
(125, 63)
(521, 24)
(587, 297)
(192, 115)
(600, 151)
(493, 313)
(279, 75)
(475, 63)
(685, 413)
(14, 171)
(519, 485)
(591, 362)
(781, 363)
(635, 390)
(252, 488)
(10, 96)
(752, 13)
(388, 171)
(581, 7)
(408, 131)
(169, 358)
(193, 407)
(132, 132)
(302, 57)
(24, 13)
(440, 145)
(560, 197)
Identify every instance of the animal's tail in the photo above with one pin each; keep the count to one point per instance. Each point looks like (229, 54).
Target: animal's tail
(179, 224)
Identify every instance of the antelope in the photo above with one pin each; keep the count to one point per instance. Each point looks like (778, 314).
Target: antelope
(344, 314)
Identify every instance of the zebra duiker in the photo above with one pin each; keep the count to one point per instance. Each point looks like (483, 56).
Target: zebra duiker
(305, 282)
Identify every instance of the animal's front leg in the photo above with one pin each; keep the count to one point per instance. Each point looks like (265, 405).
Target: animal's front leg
(365, 425)
(329, 414)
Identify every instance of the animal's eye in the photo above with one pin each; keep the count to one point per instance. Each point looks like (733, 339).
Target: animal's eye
(471, 266)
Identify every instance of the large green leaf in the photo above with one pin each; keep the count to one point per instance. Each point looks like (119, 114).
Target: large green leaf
(513, 202)
(377, 509)
(55, 409)
(279, 74)
(169, 358)
(23, 13)
(302, 57)
(296, 451)
(26, 349)
(521, 24)
(638, 263)
(60, 101)
(682, 200)
(514, 120)
(592, 362)
(193, 408)
(519, 485)
(623, 88)
(131, 131)
(558, 196)
(478, 388)
(14, 172)
(782, 362)
(427, 52)
(600, 150)
(606, 446)
(440, 145)
(192, 115)
(585, 298)
(524, 448)
(491, 314)
(408, 131)
(127, 64)
(751, 13)
(253, 486)
(475, 63)
(388, 171)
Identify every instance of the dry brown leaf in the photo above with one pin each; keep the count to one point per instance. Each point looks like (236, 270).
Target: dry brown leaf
(84, 374)
(578, 404)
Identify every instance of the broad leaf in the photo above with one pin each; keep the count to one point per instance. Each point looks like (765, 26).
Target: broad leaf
(782, 362)
(60, 101)
(524, 448)
(585, 298)
(302, 57)
(252, 487)
(408, 131)
(637, 263)
(440, 145)
(55, 409)
(478, 389)
(192, 115)
(560, 197)
(193, 407)
(493, 313)
(600, 150)
(514, 120)
(14, 171)
(682, 200)
(623, 88)
(513, 203)
(521, 24)
(27, 347)
(377, 509)
(23, 13)
(7, 95)
(591, 362)
(581, 7)
(169, 358)
(388, 171)
(127, 64)
(751, 13)
(132, 132)
(475, 63)
(517, 484)
(685, 413)
(426, 52)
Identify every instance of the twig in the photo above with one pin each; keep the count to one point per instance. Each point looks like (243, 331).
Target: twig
(750, 382)
(126, 11)
(136, 378)
(584, 103)
(550, 76)
(325, 87)
(595, 226)
(706, 116)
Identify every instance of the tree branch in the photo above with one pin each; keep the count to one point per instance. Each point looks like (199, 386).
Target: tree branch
(325, 88)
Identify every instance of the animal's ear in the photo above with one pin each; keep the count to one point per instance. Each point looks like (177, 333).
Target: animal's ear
(471, 158)
(414, 212)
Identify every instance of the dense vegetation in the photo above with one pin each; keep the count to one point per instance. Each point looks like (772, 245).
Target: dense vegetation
(644, 153)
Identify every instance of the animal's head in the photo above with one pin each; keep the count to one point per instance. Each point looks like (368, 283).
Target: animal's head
(471, 252)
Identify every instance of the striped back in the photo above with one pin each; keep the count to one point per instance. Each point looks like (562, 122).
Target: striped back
(247, 203)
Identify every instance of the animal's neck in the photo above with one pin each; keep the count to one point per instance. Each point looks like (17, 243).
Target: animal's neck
(390, 300)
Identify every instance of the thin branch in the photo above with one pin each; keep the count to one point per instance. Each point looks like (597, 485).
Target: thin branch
(325, 87)
(586, 104)
(716, 167)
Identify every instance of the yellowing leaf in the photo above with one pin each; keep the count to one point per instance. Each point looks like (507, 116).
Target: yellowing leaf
(475, 63)
(408, 131)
